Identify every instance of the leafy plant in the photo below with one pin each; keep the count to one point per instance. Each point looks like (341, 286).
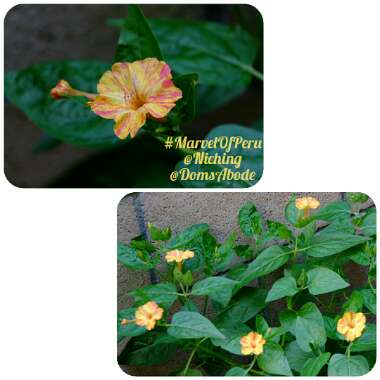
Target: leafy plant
(214, 309)
(190, 57)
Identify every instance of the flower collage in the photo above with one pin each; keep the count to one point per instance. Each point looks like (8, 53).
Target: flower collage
(160, 107)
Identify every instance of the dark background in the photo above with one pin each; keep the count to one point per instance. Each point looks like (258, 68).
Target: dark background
(40, 33)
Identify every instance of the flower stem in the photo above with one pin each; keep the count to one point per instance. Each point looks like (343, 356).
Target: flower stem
(252, 364)
(371, 286)
(192, 356)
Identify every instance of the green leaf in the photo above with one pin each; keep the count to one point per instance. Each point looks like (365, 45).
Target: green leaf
(284, 287)
(369, 299)
(322, 280)
(189, 305)
(133, 258)
(159, 234)
(141, 244)
(330, 243)
(342, 365)
(243, 306)
(292, 214)
(217, 288)
(313, 366)
(192, 325)
(368, 226)
(269, 333)
(333, 211)
(266, 262)
(306, 324)
(340, 225)
(130, 329)
(163, 294)
(359, 255)
(184, 111)
(244, 251)
(250, 220)
(296, 356)
(187, 238)
(211, 49)
(307, 233)
(223, 254)
(236, 371)
(273, 360)
(367, 342)
(354, 302)
(277, 230)
(156, 348)
(330, 326)
(357, 197)
(232, 335)
(244, 169)
(136, 40)
(69, 120)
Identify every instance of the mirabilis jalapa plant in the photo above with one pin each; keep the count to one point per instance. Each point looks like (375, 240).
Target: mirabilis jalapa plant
(211, 305)
(165, 73)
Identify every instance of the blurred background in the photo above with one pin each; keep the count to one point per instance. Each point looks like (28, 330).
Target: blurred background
(41, 33)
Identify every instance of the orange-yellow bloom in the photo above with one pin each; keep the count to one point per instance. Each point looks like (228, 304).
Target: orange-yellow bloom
(252, 344)
(147, 315)
(178, 256)
(351, 325)
(130, 92)
(307, 202)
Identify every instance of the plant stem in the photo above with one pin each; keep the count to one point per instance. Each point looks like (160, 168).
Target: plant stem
(371, 286)
(252, 364)
(348, 350)
(217, 355)
(192, 356)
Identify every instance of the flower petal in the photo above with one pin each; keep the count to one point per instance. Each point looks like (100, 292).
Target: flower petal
(157, 110)
(107, 107)
(129, 123)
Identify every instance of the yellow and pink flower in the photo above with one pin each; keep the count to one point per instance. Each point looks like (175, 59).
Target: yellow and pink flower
(252, 344)
(130, 93)
(148, 314)
(351, 325)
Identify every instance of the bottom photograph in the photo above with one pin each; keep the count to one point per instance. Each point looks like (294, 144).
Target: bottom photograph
(246, 284)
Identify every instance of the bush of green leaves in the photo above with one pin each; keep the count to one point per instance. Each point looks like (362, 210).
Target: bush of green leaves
(224, 280)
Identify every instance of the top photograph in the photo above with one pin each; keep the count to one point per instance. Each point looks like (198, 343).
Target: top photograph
(133, 96)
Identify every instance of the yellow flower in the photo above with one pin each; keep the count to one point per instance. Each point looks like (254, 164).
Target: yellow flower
(129, 93)
(253, 343)
(147, 315)
(132, 91)
(351, 325)
(178, 256)
(305, 204)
